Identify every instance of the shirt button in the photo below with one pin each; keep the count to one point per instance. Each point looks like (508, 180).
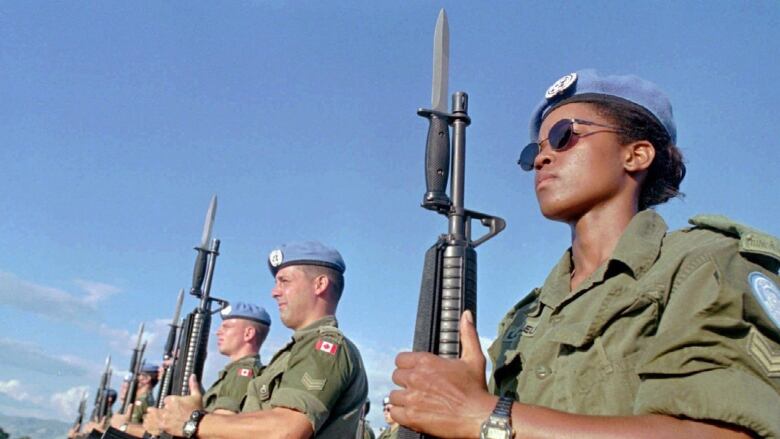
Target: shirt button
(542, 372)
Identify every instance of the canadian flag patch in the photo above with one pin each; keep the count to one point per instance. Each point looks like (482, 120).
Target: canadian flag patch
(327, 346)
(246, 373)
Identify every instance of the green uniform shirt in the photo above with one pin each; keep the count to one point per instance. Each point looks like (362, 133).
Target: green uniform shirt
(320, 374)
(142, 402)
(389, 433)
(671, 324)
(229, 391)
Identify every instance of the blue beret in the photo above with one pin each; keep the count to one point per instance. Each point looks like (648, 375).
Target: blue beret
(149, 369)
(305, 253)
(588, 85)
(111, 393)
(248, 311)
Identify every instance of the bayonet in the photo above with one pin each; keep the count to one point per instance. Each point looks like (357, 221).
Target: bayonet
(437, 148)
(208, 225)
(441, 63)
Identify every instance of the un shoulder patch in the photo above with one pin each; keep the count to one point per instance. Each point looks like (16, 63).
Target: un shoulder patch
(767, 294)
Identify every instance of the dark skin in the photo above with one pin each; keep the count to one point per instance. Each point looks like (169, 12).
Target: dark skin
(593, 187)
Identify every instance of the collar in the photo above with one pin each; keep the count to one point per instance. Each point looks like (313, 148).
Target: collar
(636, 251)
(325, 321)
(249, 359)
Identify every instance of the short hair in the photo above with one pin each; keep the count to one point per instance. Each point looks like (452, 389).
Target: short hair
(261, 331)
(667, 170)
(335, 277)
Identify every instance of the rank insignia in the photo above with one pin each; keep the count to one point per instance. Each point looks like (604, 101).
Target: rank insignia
(768, 295)
(243, 372)
(264, 392)
(561, 86)
(761, 351)
(312, 383)
(326, 346)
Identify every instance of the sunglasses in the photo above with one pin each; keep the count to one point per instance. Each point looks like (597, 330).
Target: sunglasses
(561, 137)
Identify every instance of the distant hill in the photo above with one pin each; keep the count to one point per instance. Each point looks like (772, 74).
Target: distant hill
(35, 428)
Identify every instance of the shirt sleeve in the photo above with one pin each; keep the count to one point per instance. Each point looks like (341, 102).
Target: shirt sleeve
(232, 393)
(700, 365)
(317, 373)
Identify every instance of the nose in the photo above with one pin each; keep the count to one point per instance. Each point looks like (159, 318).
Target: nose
(544, 157)
(276, 291)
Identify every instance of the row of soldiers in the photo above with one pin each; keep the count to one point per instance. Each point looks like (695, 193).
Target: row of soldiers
(315, 385)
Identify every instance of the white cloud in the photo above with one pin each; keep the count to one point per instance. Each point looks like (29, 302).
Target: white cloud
(29, 357)
(51, 302)
(66, 403)
(96, 291)
(15, 390)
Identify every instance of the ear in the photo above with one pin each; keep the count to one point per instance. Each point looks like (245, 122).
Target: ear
(321, 284)
(638, 156)
(249, 332)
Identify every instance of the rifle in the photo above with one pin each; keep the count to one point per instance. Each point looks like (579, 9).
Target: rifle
(168, 353)
(82, 409)
(135, 362)
(190, 355)
(449, 280)
(101, 400)
(128, 403)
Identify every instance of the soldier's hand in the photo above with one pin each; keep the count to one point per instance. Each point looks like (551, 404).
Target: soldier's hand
(152, 421)
(119, 419)
(444, 397)
(178, 409)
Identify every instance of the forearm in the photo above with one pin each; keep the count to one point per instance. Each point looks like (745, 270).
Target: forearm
(136, 430)
(275, 423)
(538, 422)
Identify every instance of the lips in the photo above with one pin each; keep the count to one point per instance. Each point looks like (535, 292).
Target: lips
(542, 177)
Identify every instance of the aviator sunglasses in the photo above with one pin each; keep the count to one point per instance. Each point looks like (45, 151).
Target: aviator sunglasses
(561, 137)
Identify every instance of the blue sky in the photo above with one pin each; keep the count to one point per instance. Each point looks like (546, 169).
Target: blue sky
(118, 121)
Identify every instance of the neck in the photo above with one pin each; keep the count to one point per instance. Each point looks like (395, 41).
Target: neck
(245, 351)
(595, 236)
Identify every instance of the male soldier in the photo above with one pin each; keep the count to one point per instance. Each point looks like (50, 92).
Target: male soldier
(391, 432)
(131, 420)
(243, 330)
(314, 386)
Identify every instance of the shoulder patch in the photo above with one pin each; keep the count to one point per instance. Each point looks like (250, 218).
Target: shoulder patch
(750, 239)
(763, 353)
(312, 383)
(326, 346)
(767, 294)
(244, 372)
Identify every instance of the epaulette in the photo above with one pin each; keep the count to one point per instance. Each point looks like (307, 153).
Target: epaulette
(330, 331)
(751, 241)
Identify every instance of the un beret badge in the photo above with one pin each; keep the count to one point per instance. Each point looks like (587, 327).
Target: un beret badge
(276, 258)
(226, 311)
(561, 85)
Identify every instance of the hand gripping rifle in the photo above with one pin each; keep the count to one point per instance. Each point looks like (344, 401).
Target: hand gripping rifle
(169, 352)
(449, 280)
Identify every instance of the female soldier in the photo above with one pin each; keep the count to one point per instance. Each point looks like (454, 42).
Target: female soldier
(636, 332)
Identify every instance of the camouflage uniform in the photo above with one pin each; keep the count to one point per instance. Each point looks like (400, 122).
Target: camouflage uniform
(320, 374)
(671, 325)
(389, 433)
(229, 391)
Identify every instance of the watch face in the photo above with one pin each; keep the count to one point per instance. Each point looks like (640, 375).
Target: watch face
(496, 432)
(189, 428)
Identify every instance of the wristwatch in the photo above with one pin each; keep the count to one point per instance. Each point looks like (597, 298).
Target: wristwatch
(499, 424)
(191, 426)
